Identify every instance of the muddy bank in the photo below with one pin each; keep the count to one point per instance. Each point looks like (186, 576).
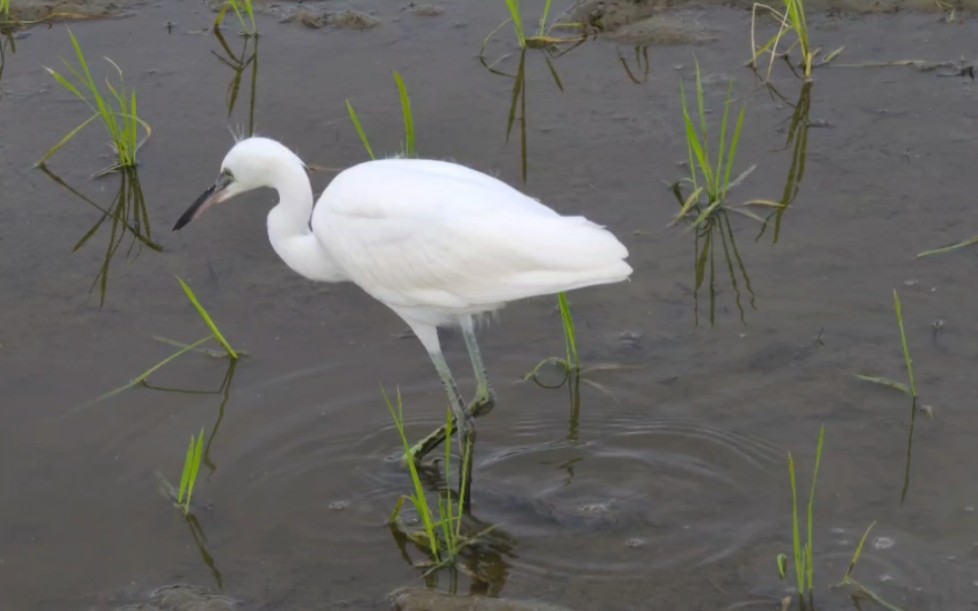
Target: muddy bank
(675, 21)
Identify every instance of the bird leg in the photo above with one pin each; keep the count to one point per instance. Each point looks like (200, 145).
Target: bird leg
(485, 397)
(461, 420)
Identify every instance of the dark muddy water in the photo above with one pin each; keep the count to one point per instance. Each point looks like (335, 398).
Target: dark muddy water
(669, 488)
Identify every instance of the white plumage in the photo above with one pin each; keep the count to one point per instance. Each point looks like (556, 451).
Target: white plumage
(435, 241)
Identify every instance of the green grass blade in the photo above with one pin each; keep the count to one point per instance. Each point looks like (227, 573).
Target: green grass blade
(207, 319)
(356, 124)
(570, 336)
(409, 149)
(810, 561)
(795, 531)
(517, 17)
(418, 499)
(194, 465)
(944, 249)
(858, 552)
(54, 149)
(883, 381)
(903, 340)
(544, 18)
(185, 475)
(733, 150)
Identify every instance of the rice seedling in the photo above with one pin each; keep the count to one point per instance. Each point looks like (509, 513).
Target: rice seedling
(710, 180)
(239, 63)
(126, 215)
(441, 537)
(792, 19)
(116, 110)
(804, 551)
(241, 9)
(408, 148)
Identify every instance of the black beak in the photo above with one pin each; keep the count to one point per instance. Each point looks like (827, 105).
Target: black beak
(205, 201)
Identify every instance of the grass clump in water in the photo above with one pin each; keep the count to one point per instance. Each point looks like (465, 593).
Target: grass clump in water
(242, 9)
(793, 19)
(708, 176)
(115, 108)
(804, 551)
(441, 535)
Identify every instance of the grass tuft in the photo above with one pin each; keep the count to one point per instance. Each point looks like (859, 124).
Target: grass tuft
(710, 179)
(441, 536)
(804, 551)
(792, 19)
(115, 108)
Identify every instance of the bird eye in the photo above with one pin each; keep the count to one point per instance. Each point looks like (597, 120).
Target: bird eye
(228, 173)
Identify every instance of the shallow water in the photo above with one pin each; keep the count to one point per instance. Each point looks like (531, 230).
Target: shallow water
(667, 489)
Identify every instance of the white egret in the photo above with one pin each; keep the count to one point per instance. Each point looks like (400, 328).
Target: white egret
(437, 242)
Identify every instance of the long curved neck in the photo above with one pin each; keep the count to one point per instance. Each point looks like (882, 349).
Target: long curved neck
(288, 227)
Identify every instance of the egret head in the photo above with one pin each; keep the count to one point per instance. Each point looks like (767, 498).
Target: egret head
(250, 164)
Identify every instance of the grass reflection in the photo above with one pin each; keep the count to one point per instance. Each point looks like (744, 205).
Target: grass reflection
(797, 143)
(126, 216)
(239, 63)
(641, 60)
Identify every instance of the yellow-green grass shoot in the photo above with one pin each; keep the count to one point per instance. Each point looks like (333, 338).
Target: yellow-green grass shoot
(242, 9)
(792, 19)
(191, 467)
(116, 109)
(5, 9)
(898, 308)
(713, 177)
(208, 320)
(804, 552)
(408, 148)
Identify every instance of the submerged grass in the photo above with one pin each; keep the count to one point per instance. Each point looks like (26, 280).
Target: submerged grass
(116, 109)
